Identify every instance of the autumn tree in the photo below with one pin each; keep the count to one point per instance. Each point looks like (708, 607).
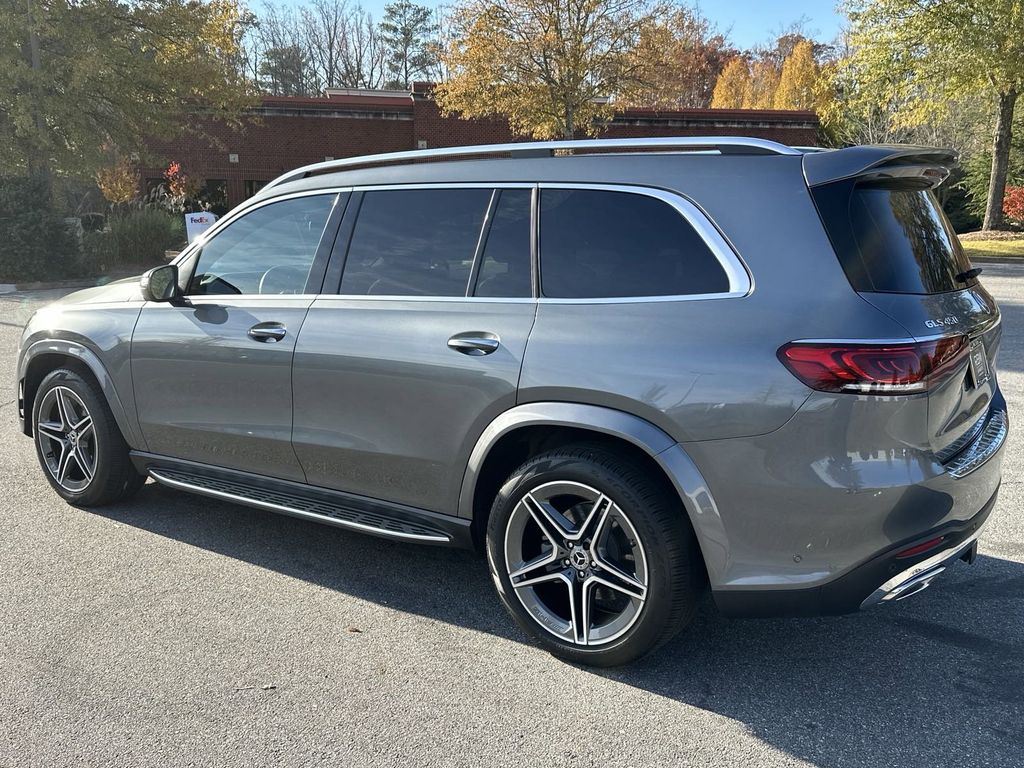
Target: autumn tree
(549, 66)
(746, 86)
(694, 54)
(118, 182)
(764, 83)
(79, 79)
(796, 88)
(407, 33)
(732, 91)
(945, 50)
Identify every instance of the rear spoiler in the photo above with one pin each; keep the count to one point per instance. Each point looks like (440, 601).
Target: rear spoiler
(877, 162)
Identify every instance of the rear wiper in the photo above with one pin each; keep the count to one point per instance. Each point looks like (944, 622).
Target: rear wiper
(970, 274)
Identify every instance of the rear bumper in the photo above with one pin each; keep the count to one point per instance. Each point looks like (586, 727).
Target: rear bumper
(884, 578)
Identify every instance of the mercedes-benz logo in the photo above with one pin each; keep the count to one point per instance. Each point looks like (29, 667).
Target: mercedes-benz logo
(579, 558)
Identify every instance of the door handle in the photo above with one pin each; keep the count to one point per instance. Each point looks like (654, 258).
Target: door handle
(267, 332)
(474, 343)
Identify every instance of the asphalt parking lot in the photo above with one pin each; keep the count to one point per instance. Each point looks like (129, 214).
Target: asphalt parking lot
(176, 630)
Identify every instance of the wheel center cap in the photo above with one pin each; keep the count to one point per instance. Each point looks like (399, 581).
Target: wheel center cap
(579, 559)
(73, 437)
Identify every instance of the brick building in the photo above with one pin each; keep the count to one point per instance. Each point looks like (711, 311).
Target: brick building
(286, 132)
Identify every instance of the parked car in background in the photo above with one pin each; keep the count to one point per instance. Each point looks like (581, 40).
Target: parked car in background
(627, 370)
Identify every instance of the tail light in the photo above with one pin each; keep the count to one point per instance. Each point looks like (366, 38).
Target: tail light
(902, 368)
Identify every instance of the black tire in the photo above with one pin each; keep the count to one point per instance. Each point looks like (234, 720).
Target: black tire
(113, 478)
(672, 567)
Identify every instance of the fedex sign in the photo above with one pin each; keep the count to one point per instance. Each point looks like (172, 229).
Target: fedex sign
(197, 223)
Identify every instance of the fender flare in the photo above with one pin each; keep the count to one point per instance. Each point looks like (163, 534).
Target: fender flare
(667, 453)
(91, 360)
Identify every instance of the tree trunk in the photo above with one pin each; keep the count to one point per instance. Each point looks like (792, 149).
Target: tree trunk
(569, 129)
(38, 162)
(1000, 160)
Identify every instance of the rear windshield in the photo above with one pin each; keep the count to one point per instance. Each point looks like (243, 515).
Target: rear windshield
(892, 239)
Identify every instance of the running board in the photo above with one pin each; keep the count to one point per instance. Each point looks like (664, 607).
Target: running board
(311, 506)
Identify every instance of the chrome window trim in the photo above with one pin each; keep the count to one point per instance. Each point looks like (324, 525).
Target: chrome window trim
(193, 248)
(189, 250)
(398, 187)
(445, 185)
(741, 282)
(234, 298)
(385, 297)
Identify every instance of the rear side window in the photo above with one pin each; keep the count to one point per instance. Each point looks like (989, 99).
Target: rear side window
(417, 242)
(892, 239)
(604, 244)
(505, 264)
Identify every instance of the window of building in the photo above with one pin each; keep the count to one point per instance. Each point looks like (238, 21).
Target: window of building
(416, 242)
(252, 187)
(602, 244)
(267, 251)
(505, 266)
(213, 196)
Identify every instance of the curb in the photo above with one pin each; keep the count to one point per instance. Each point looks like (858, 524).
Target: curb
(84, 282)
(998, 260)
(45, 286)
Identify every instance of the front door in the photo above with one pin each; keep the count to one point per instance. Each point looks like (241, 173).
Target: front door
(398, 374)
(212, 375)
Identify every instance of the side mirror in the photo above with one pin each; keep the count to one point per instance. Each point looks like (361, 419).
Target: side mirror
(160, 283)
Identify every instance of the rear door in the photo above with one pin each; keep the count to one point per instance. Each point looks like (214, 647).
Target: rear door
(213, 375)
(901, 254)
(420, 347)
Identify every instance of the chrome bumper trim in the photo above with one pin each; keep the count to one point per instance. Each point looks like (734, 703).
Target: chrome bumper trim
(920, 576)
(981, 450)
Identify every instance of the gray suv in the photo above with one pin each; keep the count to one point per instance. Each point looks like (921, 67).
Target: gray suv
(627, 370)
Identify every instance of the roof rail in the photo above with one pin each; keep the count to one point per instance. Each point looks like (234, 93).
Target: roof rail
(723, 144)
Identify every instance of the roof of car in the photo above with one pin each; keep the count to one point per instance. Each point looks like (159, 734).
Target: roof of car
(622, 160)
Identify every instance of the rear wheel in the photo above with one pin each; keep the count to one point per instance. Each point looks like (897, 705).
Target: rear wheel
(79, 446)
(592, 557)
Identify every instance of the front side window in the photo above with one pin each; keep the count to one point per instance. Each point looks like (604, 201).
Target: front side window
(267, 251)
(415, 242)
(603, 244)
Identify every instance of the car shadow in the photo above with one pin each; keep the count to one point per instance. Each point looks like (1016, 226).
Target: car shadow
(935, 680)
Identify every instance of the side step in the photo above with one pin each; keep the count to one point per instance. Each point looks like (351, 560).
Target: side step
(313, 506)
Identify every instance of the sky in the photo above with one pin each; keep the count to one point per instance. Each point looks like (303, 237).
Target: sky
(754, 21)
(750, 22)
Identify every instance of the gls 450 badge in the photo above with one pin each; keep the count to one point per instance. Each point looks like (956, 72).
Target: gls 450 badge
(942, 321)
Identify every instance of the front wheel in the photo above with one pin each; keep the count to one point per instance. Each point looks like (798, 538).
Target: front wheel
(79, 445)
(592, 557)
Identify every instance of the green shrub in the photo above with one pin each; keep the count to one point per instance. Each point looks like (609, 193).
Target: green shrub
(956, 202)
(134, 238)
(35, 243)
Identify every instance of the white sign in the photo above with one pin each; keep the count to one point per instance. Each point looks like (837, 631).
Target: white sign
(197, 223)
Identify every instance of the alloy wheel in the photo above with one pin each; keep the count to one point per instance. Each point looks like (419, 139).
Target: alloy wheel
(576, 563)
(66, 436)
